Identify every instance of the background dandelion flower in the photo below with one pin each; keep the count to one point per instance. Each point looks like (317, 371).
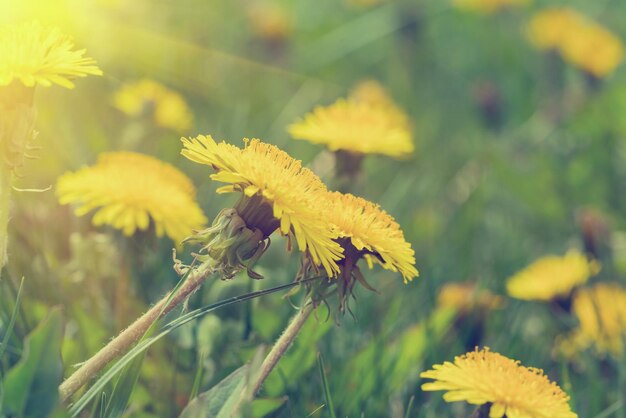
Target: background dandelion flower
(580, 41)
(551, 277)
(356, 126)
(167, 107)
(129, 191)
(33, 54)
(371, 231)
(482, 377)
(278, 193)
(601, 314)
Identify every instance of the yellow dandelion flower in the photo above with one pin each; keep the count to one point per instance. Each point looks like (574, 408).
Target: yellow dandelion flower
(129, 191)
(33, 54)
(370, 232)
(464, 297)
(580, 41)
(601, 313)
(488, 6)
(374, 94)
(169, 108)
(481, 377)
(278, 193)
(550, 28)
(356, 126)
(552, 277)
(270, 21)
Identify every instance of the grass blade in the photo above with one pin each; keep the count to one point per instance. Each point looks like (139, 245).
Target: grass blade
(327, 395)
(9, 330)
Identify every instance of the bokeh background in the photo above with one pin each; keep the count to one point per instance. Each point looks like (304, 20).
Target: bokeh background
(517, 153)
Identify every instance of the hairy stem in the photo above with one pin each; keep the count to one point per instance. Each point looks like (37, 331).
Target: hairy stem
(282, 345)
(124, 341)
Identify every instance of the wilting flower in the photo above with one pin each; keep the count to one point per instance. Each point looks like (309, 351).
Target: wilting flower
(33, 54)
(277, 193)
(129, 191)
(464, 297)
(601, 313)
(488, 6)
(167, 107)
(551, 277)
(481, 377)
(364, 230)
(580, 41)
(357, 126)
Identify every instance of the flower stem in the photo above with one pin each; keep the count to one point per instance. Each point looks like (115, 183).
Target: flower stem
(5, 203)
(122, 343)
(282, 345)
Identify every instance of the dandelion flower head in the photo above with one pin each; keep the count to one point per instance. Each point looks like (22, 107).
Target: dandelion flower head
(551, 277)
(356, 126)
(580, 41)
(278, 193)
(481, 377)
(128, 191)
(601, 313)
(169, 108)
(464, 297)
(371, 231)
(33, 54)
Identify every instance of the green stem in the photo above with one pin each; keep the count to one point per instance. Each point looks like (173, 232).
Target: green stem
(5, 203)
(282, 345)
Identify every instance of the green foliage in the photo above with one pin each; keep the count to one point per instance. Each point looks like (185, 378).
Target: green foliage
(30, 387)
(221, 400)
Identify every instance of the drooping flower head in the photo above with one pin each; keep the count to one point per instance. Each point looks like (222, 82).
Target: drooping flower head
(552, 277)
(514, 391)
(366, 231)
(601, 314)
(277, 193)
(488, 6)
(33, 54)
(129, 191)
(579, 40)
(356, 126)
(168, 108)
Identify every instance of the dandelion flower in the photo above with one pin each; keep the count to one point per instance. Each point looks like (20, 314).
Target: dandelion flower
(33, 54)
(365, 230)
(464, 297)
(487, 6)
(580, 41)
(277, 193)
(481, 377)
(356, 126)
(129, 191)
(601, 313)
(270, 21)
(169, 108)
(552, 277)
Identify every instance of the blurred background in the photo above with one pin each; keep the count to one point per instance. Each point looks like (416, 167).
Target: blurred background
(519, 153)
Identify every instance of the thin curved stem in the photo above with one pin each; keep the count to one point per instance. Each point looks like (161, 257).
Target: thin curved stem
(123, 342)
(282, 345)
